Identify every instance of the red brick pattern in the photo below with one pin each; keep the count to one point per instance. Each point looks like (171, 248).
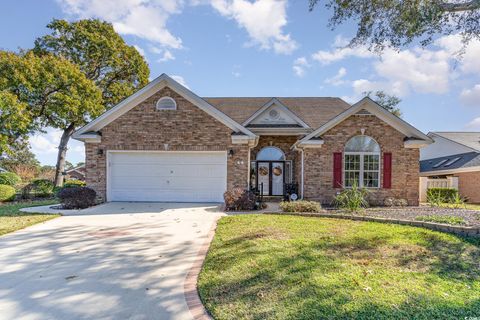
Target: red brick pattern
(144, 128)
(194, 303)
(469, 185)
(405, 162)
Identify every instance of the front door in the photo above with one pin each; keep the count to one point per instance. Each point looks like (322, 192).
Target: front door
(271, 175)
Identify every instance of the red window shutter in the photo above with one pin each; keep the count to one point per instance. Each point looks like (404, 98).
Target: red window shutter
(337, 169)
(387, 170)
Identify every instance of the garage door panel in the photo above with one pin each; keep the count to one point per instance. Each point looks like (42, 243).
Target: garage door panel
(167, 176)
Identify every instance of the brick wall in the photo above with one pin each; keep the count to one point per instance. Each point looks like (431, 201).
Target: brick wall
(144, 128)
(469, 186)
(405, 162)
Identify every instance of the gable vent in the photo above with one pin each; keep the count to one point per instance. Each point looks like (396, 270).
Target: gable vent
(166, 103)
(363, 112)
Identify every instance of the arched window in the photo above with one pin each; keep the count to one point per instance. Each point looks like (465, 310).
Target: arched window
(362, 162)
(271, 154)
(166, 103)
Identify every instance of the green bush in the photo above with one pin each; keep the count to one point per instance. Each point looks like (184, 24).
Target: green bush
(7, 193)
(43, 187)
(9, 179)
(435, 195)
(300, 206)
(74, 183)
(352, 199)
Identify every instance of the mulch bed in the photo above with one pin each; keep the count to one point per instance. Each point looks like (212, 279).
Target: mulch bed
(471, 217)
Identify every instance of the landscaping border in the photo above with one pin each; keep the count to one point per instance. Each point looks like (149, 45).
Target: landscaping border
(458, 230)
(190, 288)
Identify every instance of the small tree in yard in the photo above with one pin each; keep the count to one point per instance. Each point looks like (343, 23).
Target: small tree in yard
(57, 93)
(116, 69)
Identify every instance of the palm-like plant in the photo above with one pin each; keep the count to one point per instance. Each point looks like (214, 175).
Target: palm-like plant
(352, 199)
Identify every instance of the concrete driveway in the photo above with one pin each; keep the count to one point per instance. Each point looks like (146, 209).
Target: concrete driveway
(114, 261)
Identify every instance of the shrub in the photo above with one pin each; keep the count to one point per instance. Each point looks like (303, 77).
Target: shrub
(442, 219)
(7, 193)
(77, 197)
(457, 201)
(43, 187)
(239, 199)
(441, 194)
(400, 202)
(9, 179)
(74, 183)
(300, 206)
(352, 199)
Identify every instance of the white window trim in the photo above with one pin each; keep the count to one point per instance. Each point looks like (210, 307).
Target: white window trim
(362, 170)
(163, 99)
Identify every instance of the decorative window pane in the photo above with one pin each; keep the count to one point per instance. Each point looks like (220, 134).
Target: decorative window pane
(362, 144)
(271, 154)
(362, 162)
(166, 103)
(370, 179)
(352, 178)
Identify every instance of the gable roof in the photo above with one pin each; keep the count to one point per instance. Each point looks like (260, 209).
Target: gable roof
(453, 163)
(314, 111)
(371, 106)
(147, 91)
(466, 139)
(276, 102)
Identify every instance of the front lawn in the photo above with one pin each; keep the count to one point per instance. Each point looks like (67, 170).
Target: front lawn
(286, 267)
(11, 218)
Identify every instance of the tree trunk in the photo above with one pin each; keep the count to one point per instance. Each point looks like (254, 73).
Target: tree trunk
(62, 153)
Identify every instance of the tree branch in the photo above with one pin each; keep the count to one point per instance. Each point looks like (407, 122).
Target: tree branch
(458, 7)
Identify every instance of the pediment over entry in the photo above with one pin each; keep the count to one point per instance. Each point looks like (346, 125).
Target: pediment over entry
(274, 115)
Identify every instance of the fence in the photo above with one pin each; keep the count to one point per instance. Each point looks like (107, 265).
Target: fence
(427, 183)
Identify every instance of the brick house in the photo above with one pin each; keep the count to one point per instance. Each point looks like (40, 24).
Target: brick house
(165, 143)
(453, 160)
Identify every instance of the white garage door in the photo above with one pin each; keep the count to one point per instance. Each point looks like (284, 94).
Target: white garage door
(167, 176)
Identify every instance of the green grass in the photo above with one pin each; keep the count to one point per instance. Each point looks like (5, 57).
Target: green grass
(469, 206)
(442, 219)
(286, 267)
(12, 219)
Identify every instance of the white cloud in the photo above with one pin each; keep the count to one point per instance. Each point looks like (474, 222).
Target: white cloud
(337, 79)
(469, 61)
(474, 124)
(299, 66)
(140, 50)
(167, 56)
(263, 20)
(418, 70)
(471, 96)
(45, 147)
(340, 52)
(180, 80)
(146, 19)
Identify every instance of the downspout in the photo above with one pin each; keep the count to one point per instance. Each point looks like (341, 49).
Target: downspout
(250, 147)
(302, 174)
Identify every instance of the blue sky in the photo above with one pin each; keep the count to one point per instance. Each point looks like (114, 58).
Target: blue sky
(264, 48)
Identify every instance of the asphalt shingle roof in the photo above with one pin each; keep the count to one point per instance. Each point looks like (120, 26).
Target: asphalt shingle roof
(314, 111)
(470, 159)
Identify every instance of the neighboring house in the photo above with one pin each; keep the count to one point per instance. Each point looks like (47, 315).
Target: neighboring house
(454, 154)
(165, 143)
(77, 173)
